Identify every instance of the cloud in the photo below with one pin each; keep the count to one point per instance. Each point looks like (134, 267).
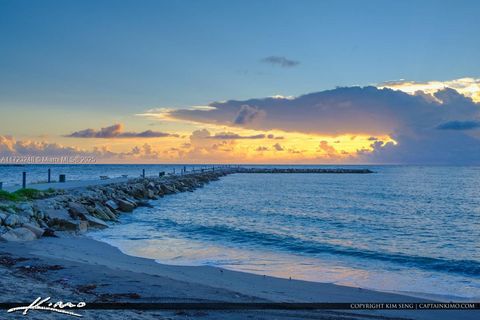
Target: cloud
(278, 147)
(326, 148)
(247, 114)
(235, 136)
(440, 147)
(280, 61)
(261, 149)
(469, 87)
(116, 131)
(40, 151)
(459, 125)
(11, 147)
(411, 119)
(353, 110)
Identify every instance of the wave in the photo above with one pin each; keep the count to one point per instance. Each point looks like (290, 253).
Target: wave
(299, 246)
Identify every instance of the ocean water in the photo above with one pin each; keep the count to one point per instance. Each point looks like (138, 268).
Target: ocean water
(11, 175)
(403, 228)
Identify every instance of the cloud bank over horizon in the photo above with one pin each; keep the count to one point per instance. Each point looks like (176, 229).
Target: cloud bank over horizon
(436, 126)
(394, 123)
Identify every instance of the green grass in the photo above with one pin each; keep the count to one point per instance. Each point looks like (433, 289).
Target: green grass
(9, 196)
(24, 194)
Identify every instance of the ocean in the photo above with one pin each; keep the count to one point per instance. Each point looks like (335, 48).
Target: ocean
(11, 175)
(410, 229)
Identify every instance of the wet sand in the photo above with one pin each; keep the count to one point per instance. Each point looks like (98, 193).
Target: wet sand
(77, 268)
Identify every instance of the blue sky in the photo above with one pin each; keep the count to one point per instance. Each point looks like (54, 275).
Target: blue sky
(133, 54)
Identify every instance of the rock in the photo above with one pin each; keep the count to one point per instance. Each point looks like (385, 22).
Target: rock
(61, 219)
(151, 185)
(82, 226)
(25, 209)
(131, 200)
(110, 213)
(18, 234)
(24, 234)
(3, 216)
(9, 236)
(49, 233)
(39, 215)
(144, 203)
(112, 205)
(36, 230)
(42, 224)
(77, 210)
(12, 220)
(95, 222)
(9, 210)
(151, 195)
(3, 230)
(101, 214)
(125, 205)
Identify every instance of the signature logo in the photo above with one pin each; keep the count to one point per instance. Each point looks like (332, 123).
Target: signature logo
(45, 305)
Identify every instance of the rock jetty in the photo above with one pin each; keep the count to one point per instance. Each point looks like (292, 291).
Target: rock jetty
(81, 209)
(303, 170)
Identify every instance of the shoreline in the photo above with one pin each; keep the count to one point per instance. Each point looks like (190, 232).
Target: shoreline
(101, 271)
(97, 272)
(414, 294)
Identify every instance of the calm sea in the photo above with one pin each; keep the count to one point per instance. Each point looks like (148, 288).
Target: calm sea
(403, 228)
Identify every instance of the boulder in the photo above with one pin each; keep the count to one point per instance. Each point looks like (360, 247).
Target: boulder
(125, 205)
(9, 236)
(3, 229)
(144, 203)
(107, 212)
(151, 195)
(132, 201)
(18, 234)
(61, 219)
(110, 213)
(77, 210)
(36, 230)
(82, 226)
(95, 222)
(151, 185)
(25, 209)
(3, 216)
(24, 234)
(14, 220)
(49, 233)
(101, 214)
(9, 210)
(112, 205)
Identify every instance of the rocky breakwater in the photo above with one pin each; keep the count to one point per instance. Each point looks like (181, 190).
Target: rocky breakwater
(83, 208)
(304, 170)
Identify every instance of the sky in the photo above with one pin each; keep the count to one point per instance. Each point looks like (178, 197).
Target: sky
(384, 82)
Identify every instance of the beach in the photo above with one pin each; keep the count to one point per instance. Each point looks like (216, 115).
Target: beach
(72, 266)
(91, 271)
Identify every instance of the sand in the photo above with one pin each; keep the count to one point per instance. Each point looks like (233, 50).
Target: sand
(95, 271)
